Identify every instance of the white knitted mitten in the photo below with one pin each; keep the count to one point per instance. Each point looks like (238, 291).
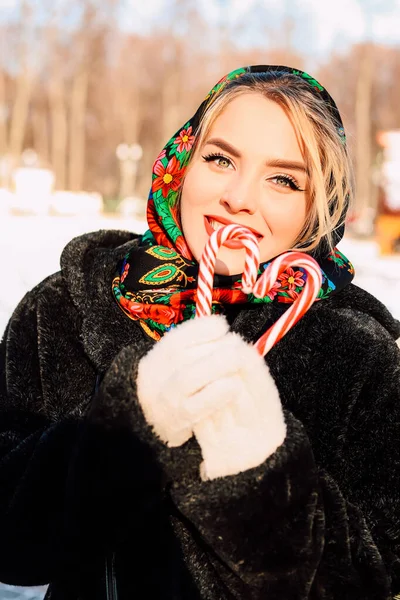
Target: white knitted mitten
(202, 378)
(185, 361)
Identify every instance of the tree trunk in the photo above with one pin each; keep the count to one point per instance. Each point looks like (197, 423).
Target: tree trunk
(363, 132)
(3, 115)
(170, 103)
(20, 112)
(40, 133)
(77, 137)
(4, 175)
(59, 131)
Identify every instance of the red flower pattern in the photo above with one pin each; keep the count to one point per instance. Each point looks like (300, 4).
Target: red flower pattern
(183, 248)
(178, 300)
(293, 297)
(125, 272)
(154, 225)
(291, 279)
(169, 177)
(185, 140)
(160, 313)
(224, 296)
(274, 290)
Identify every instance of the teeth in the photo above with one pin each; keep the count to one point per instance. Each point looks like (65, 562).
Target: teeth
(215, 225)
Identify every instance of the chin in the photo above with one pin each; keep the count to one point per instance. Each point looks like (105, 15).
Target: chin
(230, 262)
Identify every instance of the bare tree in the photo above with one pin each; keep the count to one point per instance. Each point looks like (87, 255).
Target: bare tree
(89, 50)
(77, 137)
(363, 130)
(23, 85)
(3, 114)
(40, 131)
(57, 95)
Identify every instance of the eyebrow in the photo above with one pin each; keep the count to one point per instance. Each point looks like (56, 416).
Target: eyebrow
(275, 162)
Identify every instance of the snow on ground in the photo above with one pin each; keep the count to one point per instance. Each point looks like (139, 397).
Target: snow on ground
(9, 592)
(30, 249)
(379, 275)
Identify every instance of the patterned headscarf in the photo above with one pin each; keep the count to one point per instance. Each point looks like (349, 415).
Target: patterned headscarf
(156, 282)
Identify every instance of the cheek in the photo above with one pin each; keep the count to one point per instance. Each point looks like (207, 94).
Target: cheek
(294, 211)
(192, 200)
(298, 213)
(200, 187)
(302, 211)
(285, 218)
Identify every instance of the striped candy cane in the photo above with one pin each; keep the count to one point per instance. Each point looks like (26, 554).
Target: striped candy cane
(263, 285)
(208, 259)
(299, 307)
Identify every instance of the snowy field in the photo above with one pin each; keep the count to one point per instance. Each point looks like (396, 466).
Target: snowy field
(30, 248)
(8, 592)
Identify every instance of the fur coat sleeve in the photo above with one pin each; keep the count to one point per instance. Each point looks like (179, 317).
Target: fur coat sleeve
(70, 488)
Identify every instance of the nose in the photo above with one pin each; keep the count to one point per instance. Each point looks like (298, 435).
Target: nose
(240, 196)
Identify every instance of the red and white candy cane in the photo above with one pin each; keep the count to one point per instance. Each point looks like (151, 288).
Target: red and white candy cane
(261, 287)
(299, 307)
(207, 264)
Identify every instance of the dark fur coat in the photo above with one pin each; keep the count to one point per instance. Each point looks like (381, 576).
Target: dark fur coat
(93, 503)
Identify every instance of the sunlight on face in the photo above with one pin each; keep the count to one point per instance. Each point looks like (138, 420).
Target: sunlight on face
(250, 171)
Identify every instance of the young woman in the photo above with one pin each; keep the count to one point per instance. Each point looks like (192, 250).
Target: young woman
(145, 453)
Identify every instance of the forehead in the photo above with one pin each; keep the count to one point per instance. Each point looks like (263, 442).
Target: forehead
(254, 124)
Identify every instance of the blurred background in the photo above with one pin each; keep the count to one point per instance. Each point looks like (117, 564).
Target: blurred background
(90, 91)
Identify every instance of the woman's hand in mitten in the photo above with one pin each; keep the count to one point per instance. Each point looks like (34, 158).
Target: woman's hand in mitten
(191, 373)
(251, 426)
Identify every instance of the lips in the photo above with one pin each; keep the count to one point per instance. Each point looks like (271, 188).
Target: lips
(210, 229)
(232, 244)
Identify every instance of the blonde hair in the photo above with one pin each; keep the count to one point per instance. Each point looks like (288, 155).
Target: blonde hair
(330, 189)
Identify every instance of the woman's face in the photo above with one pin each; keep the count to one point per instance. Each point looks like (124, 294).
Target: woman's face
(249, 171)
